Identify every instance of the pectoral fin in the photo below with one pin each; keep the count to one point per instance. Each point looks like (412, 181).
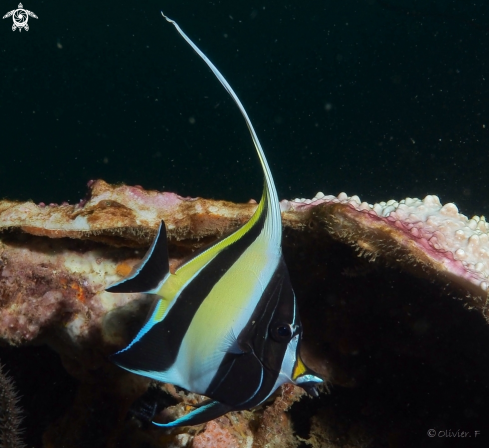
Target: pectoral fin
(153, 269)
(202, 414)
(230, 344)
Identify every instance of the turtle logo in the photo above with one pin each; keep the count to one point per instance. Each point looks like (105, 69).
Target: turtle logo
(20, 17)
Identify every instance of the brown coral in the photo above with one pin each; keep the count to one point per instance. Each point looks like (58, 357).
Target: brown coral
(382, 326)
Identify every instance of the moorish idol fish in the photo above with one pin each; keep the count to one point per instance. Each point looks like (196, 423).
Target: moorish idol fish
(225, 324)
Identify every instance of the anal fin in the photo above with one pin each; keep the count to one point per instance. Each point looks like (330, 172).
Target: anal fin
(202, 414)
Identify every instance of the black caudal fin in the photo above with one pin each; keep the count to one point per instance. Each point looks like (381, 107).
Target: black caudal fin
(151, 271)
(203, 414)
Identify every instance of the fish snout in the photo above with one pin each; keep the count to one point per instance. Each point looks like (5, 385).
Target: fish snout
(304, 377)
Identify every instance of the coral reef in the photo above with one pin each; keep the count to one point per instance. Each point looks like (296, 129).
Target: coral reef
(375, 284)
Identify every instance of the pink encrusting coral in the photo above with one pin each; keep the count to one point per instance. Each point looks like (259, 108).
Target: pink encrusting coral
(215, 436)
(433, 233)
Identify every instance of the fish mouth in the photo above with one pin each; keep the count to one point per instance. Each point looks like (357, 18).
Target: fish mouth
(307, 379)
(311, 388)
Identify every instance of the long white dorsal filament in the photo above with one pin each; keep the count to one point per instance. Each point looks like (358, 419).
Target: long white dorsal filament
(271, 190)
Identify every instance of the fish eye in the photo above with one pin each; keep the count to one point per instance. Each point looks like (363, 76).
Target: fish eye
(281, 331)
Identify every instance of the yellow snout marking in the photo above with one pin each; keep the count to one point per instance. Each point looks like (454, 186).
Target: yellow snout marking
(299, 369)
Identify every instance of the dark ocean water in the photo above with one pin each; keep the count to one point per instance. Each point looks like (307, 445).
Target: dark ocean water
(380, 98)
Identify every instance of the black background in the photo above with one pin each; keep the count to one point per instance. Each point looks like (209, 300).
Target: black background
(380, 98)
